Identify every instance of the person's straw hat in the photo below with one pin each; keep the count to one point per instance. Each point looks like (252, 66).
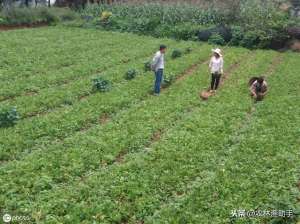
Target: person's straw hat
(217, 51)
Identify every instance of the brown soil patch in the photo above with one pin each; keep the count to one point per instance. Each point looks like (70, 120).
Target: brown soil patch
(21, 26)
(120, 157)
(30, 93)
(190, 70)
(156, 136)
(5, 98)
(104, 119)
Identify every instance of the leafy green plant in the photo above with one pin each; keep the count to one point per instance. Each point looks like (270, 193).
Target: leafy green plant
(221, 30)
(176, 53)
(250, 39)
(105, 15)
(130, 74)
(237, 35)
(8, 117)
(102, 85)
(147, 66)
(28, 16)
(49, 16)
(216, 39)
(163, 30)
(185, 31)
(2, 21)
(168, 80)
(189, 22)
(188, 50)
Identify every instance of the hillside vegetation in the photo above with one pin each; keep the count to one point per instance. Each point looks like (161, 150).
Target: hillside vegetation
(250, 23)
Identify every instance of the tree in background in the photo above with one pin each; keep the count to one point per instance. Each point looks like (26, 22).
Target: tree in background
(9, 3)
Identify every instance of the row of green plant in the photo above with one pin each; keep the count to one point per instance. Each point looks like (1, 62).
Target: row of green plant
(32, 16)
(196, 159)
(69, 119)
(104, 143)
(52, 97)
(251, 173)
(113, 212)
(65, 64)
(167, 166)
(103, 85)
(256, 24)
(31, 61)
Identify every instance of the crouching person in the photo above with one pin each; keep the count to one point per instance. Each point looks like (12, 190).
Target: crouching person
(158, 65)
(259, 88)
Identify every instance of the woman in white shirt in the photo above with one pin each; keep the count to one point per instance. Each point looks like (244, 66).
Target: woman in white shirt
(216, 69)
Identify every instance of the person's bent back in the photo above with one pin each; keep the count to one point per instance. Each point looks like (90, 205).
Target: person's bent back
(259, 88)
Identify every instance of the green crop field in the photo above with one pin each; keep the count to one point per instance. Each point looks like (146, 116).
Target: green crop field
(76, 155)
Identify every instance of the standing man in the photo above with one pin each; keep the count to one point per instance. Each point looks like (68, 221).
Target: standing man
(158, 66)
(216, 69)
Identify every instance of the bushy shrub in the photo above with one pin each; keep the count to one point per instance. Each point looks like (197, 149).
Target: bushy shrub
(101, 85)
(105, 15)
(187, 21)
(216, 39)
(112, 23)
(176, 53)
(188, 50)
(20, 16)
(28, 16)
(185, 31)
(8, 117)
(205, 34)
(250, 39)
(237, 35)
(49, 16)
(64, 14)
(147, 66)
(130, 74)
(2, 21)
(262, 23)
(144, 25)
(162, 31)
(168, 80)
(171, 14)
(224, 32)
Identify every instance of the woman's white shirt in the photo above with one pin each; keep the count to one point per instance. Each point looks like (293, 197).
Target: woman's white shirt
(216, 65)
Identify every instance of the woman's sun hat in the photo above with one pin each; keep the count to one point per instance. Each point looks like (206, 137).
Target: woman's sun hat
(217, 51)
